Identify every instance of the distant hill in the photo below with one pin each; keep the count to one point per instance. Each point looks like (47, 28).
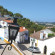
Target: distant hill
(47, 23)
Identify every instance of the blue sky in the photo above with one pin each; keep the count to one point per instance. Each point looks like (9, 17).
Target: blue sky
(35, 10)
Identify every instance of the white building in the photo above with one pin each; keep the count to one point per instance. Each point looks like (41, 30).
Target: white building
(41, 40)
(47, 30)
(22, 35)
(3, 23)
(3, 32)
(4, 27)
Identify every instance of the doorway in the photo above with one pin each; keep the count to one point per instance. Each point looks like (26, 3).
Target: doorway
(45, 49)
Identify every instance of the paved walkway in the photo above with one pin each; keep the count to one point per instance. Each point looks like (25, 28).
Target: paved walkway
(24, 48)
(7, 52)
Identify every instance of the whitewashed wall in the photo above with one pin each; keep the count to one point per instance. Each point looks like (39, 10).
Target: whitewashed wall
(31, 40)
(41, 35)
(2, 32)
(40, 45)
(46, 34)
(20, 37)
(6, 32)
(50, 43)
(5, 23)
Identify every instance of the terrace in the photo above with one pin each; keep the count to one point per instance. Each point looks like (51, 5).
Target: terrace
(11, 52)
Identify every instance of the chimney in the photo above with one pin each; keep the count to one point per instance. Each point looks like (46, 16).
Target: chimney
(34, 31)
(23, 27)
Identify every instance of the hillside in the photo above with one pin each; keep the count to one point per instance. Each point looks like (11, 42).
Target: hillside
(31, 26)
(4, 11)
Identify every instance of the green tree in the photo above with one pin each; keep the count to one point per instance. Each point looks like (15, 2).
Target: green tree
(10, 13)
(5, 11)
(53, 29)
(1, 7)
(18, 15)
(31, 26)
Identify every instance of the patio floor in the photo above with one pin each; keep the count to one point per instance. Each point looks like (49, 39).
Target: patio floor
(7, 52)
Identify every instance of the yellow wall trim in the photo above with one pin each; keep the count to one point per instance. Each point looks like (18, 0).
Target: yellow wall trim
(37, 42)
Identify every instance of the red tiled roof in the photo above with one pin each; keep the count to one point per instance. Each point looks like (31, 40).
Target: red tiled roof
(11, 21)
(8, 21)
(22, 29)
(3, 18)
(35, 35)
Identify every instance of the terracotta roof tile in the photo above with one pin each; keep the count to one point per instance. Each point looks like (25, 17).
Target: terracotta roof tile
(36, 35)
(8, 21)
(11, 21)
(22, 29)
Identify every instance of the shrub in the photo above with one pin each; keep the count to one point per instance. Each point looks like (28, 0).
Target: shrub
(53, 53)
(50, 35)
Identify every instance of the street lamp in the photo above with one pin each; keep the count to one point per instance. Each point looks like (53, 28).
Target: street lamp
(12, 31)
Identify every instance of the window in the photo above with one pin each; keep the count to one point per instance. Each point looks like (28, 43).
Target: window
(45, 49)
(36, 44)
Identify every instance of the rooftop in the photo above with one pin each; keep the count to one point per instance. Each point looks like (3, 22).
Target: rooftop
(22, 29)
(36, 35)
(8, 21)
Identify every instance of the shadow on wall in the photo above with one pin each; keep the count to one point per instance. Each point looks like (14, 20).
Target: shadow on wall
(22, 47)
(1, 47)
(25, 42)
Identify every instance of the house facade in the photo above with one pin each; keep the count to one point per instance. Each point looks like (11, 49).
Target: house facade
(39, 39)
(4, 32)
(22, 37)
(23, 33)
(3, 23)
(4, 27)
